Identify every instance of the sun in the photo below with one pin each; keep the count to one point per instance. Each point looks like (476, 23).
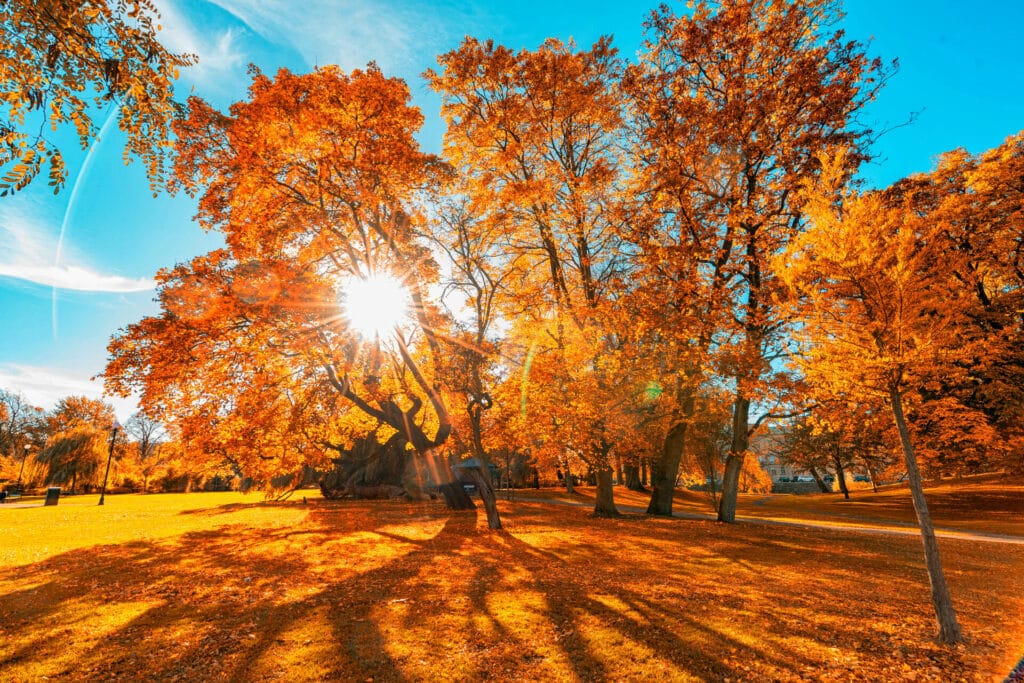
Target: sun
(375, 305)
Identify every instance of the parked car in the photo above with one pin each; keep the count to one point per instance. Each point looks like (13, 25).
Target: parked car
(861, 477)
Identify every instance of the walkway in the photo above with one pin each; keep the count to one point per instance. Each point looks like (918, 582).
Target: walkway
(869, 526)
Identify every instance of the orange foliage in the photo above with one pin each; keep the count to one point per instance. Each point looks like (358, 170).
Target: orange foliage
(316, 178)
(532, 134)
(732, 102)
(53, 52)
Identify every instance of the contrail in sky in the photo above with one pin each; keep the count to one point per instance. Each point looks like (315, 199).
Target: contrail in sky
(71, 206)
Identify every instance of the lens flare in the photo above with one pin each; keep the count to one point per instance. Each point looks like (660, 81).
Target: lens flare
(374, 306)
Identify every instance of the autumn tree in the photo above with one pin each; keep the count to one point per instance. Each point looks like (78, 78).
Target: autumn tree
(251, 405)
(472, 287)
(74, 410)
(665, 344)
(318, 185)
(976, 203)
(79, 428)
(873, 297)
(732, 101)
(535, 136)
(23, 431)
(804, 447)
(147, 435)
(18, 423)
(65, 62)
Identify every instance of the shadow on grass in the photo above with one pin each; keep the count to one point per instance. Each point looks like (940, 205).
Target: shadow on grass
(398, 591)
(228, 508)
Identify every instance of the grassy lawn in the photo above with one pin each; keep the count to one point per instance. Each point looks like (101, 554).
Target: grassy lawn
(222, 586)
(989, 506)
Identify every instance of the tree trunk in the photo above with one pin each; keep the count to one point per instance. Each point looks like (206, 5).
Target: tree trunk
(872, 475)
(643, 472)
(841, 476)
(604, 502)
(818, 480)
(730, 488)
(455, 497)
(619, 477)
(487, 496)
(665, 467)
(481, 476)
(633, 478)
(949, 628)
(570, 487)
(734, 462)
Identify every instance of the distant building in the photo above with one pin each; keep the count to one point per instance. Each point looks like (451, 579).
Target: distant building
(766, 445)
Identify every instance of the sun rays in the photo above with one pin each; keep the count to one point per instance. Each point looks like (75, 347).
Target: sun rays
(376, 305)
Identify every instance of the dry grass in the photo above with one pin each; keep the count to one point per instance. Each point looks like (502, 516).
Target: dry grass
(992, 506)
(995, 506)
(217, 586)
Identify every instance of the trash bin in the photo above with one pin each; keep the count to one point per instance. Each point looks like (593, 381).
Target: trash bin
(52, 495)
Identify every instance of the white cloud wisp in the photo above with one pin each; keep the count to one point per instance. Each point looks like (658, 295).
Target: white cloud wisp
(27, 250)
(221, 58)
(398, 36)
(44, 387)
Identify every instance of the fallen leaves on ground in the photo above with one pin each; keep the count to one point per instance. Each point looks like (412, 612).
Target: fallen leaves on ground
(408, 591)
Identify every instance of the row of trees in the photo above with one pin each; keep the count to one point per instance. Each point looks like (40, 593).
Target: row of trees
(69, 444)
(606, 260)
(618, 247)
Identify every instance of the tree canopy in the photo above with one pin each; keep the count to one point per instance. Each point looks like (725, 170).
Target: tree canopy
(610, 266)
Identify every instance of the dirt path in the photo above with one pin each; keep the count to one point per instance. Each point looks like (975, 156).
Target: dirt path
(866, 525)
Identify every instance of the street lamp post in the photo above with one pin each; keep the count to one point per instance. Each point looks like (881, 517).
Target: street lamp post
(24, 457)
(110, 455)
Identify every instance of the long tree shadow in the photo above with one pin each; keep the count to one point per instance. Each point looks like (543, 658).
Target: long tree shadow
(788, 590)
(211, 584)
(407, 592)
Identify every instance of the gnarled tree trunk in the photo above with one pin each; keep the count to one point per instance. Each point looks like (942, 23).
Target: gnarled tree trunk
(478, 403)
(404, 422)
(483, 485)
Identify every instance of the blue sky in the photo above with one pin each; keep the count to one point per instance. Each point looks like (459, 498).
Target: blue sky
(77, 266)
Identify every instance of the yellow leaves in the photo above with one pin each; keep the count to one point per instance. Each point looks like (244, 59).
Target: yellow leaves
(897, 287)
(363, 590)
(316, 178)
(42, 67)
